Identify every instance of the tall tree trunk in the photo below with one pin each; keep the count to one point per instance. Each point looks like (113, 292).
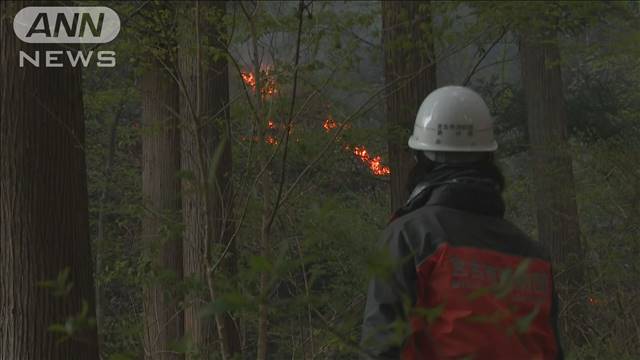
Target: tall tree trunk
(206, 199)
(43, 205)
(552, 172)
(160, 188)
(99, 241)
(551, 164)
(408, 51)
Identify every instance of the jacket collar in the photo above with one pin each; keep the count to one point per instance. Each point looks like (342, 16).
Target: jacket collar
(471, 194)
(476, 196)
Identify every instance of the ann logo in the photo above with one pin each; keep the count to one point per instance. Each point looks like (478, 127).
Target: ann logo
(68, 25)
(41, 25)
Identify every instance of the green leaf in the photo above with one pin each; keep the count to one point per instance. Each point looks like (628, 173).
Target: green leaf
(57, 328)
(521, 269)
(260, 264)
(429, 314)
(60, 286)
(478, 293)
(523, 324)
(228, 302)
(182, 346)
(216, 164)
(509, 279)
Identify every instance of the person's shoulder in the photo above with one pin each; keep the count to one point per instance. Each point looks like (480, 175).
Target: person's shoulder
(531, 247)
(417, 217)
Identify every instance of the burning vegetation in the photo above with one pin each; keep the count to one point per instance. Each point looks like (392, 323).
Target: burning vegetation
(269, 89)
(374, 163)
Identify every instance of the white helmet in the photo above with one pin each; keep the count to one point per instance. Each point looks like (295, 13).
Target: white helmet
(453, 123)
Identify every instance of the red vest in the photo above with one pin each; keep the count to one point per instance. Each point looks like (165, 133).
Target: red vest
(464, 310)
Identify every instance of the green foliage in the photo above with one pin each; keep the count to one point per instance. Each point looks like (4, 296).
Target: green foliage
(73, 325)
(60, 286)
(322, 241)
(505, 285)
(228, 302)
(523, 323)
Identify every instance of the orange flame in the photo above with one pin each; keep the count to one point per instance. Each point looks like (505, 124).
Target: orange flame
(249, 79)
(373, 163)
(268, 89)
(271, 140)
(594, 301)
(329, 124)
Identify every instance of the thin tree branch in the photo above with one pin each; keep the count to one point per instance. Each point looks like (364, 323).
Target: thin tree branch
(287, 129)
(484, 55)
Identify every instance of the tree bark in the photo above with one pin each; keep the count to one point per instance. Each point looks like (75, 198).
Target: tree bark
(551, 163)
(160, 188)
(206, 200)
(43, 204)
(410, 75)
(99, 241)
(552, 172)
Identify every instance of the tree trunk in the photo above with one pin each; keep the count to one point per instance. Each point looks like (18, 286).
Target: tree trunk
(160, 188)
(409, 77)
(99, 242)
(552, 171)
(206, 200)
(43, 205)
(551, 165)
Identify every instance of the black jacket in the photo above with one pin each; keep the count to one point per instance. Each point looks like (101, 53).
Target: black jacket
(451, 239)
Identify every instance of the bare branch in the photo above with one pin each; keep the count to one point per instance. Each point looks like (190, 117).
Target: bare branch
(484, 55)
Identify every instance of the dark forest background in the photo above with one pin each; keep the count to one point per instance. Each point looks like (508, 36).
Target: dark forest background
(218, 194)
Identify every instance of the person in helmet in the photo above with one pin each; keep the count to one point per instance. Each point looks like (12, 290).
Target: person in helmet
(466, 283)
